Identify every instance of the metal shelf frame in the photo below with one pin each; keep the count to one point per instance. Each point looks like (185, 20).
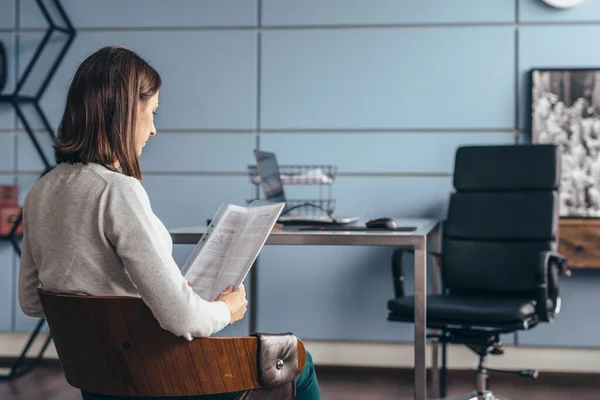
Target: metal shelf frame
(18, 100)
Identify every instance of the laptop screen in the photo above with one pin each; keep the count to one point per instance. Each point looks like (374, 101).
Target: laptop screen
(270, 178)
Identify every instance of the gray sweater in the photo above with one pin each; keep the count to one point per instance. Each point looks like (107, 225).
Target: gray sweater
(91, 231)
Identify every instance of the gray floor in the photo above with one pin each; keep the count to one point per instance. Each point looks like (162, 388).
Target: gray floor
(48, 383)
(380, 384)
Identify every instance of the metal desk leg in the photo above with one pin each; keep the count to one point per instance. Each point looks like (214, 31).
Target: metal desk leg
(253, 298)
(435, 238)
(420, 319)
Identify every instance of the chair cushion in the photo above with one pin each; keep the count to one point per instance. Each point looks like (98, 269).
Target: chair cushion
(470, 310)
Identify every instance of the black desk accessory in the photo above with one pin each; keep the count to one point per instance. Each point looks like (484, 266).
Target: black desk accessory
(381, 223)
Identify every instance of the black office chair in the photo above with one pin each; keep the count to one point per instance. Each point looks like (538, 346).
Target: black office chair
(499, 267)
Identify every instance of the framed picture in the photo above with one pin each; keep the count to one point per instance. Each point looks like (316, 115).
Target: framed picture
(565, 110)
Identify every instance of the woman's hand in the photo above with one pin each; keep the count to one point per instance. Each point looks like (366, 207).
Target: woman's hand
(236, 301)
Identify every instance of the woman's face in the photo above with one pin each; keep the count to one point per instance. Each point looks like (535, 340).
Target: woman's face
(144, 124)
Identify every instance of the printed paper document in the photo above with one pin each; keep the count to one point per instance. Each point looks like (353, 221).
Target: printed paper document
(229, 247)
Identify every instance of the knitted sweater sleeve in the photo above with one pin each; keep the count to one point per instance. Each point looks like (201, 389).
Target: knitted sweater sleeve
(131, 227)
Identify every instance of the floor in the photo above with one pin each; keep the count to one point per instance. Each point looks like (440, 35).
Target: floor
(48, 383)
(374, 384)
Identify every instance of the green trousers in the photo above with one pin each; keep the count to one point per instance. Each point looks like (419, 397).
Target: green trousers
(307, 388)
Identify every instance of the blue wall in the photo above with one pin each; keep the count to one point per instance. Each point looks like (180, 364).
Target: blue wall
(385, 89)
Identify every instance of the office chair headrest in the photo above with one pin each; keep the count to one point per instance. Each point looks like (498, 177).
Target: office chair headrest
(507, 167)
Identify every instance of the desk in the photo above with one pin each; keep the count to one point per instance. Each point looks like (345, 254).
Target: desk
(417, 239)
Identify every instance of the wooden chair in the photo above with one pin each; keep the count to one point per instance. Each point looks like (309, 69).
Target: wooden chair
(114, 346)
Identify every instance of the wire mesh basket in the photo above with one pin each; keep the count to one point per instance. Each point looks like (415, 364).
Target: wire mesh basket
(322, 176)
(299, 174)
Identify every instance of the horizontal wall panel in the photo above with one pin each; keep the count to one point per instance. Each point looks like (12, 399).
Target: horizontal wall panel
(28, 44)
(186, 152)
(537, 11)
(31, 16)
(7, 179)
(370, 197)
(147, 13)
(7, 152)
(373, 12)
(573, 326)
(7, 112)
(423, 78)
(7, 117)
(378, 152)
(25, 183)
(181, 201)
(552, 47)
(7, 14)
(328, 293)
(28, 159)
(198, 152)
(211, 85)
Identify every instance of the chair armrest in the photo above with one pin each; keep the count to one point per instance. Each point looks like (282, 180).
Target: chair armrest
(398, 268)
(277, 358)
(550, 266)
(562, 262)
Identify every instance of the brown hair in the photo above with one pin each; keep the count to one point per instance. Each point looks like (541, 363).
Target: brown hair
(98, 123)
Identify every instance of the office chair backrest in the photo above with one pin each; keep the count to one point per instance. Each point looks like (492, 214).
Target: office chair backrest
(115, 346)
(503, 213)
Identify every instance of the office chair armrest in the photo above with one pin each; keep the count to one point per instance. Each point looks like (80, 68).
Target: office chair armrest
(551, 265)
(398, 268)
(562, 262)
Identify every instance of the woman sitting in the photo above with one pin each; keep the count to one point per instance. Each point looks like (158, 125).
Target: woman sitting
(88, 225)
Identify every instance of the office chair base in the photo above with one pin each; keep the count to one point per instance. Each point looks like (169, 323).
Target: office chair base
(474, 396)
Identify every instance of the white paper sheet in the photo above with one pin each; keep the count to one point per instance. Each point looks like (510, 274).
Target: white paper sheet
(313, 176)
(227, 250)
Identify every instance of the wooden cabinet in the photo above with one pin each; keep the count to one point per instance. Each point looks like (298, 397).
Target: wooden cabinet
(579, 241)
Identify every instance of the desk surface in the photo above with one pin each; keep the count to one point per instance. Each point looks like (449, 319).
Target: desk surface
(336, 236)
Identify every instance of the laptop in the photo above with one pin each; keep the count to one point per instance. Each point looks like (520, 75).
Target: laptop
(272, 187)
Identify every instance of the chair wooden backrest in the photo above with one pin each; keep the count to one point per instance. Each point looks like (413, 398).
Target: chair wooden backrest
(115, 346)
